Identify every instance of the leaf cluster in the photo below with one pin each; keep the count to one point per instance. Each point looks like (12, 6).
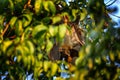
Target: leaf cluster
(30, 28)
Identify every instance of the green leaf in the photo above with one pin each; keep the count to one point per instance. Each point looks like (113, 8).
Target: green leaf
(3, 4)
(27, 18)
(49, 6)
(74, 13)
(38, 6)
(56, 19)
(53, 30)
(46, 20)
(39, 30)
(19, 27)
(29, 62)
(38, 68)
(52, 7)
(58, 31)
(49, 45)
(27, 32)
(62, 30)
(81, 58)
(13, 21)
(1, 20)
(19, 50)
(26, 50)
(30, 46)
(94, 34)
(11, 5)
(40, 55)
(25, 60)
(83, 14)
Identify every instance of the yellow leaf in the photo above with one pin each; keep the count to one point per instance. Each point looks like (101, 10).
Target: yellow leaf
(19, 58)
(83, 14)
(88, 49)
(30, 46)
(38, 6)
(98, 60)
(47, 65)
(46, 5)
(51, 31)
(32, 60)
(80, 58)
(12, 21)
(112, 56)
(90, 63)
(74, 13)
(19, 27)
(6, 44)
(40, 56)
(54, 69)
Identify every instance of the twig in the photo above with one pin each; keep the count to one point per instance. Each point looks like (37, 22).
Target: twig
(114, 15)
(110, 3)
(7, 25)
(27, 4)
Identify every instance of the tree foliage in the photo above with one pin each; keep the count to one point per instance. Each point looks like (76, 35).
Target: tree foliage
(31, 32)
